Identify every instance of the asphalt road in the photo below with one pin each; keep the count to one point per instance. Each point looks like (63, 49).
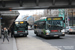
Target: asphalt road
(64, 43)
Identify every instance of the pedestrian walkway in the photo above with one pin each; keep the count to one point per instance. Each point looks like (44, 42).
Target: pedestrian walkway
(8, 46)
(31, 43)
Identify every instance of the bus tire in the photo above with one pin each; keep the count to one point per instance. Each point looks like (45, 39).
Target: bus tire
(25, 35)
(37, 34)
(46, 37)
(14, 36)
(68, 32)
(58, 37)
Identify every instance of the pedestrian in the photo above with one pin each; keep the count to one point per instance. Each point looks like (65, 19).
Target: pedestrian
(12, 32)
(8, 31)
(2, 32)
(5, 34)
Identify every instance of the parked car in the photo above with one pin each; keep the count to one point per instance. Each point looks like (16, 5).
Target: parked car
(67, 29)
(70, 29)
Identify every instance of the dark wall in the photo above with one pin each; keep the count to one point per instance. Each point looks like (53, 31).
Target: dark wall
(72, 20)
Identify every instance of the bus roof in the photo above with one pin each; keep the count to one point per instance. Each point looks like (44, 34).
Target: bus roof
(50, 18)
(40, 20)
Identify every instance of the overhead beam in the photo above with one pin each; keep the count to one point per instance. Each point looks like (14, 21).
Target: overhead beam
(53, 2)
(21, 3)
(69, 2)
(3, 4)
(7, 0)
(50, 7)
(37, 2)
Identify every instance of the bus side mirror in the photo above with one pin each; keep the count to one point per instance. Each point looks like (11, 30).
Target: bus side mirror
(64, 21)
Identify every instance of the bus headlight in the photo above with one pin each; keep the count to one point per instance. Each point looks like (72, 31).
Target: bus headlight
(47, 32)
(15, 32)
(26, 31)
(63, 30)
(63, 33)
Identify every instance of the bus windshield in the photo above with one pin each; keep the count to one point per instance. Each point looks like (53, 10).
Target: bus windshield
(21, 26)
(55, 24)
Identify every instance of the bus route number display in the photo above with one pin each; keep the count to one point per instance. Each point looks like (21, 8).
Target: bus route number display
(49, 19)
(21, 22)
(54, 18)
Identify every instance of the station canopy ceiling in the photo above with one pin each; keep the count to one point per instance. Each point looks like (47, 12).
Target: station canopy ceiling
(36, 4)
(8, 17)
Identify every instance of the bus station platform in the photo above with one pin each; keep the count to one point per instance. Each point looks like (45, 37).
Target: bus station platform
(8, 46)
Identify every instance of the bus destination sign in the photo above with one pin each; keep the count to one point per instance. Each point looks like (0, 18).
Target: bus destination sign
(55, 18)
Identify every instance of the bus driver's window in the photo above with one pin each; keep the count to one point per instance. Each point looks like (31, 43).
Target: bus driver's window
(49, 25)
(35, 26)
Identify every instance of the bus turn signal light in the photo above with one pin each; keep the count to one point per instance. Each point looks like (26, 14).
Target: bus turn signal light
(70, 29)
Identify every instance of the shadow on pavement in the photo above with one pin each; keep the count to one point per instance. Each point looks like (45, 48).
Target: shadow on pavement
(20, 37)
(50, 38)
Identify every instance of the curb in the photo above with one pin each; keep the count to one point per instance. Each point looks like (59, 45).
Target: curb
(14, 44)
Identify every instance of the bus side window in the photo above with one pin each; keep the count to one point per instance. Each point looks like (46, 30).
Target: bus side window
(64, 21)
(44, 23)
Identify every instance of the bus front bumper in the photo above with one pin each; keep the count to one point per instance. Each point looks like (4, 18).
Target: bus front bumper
(55, 35)
(20, 34)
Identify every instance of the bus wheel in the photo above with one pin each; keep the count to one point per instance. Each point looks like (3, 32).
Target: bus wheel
(68, 32)
(14, 36)
(46, 37)
(37, 34)
(58, 37)
(25, 35)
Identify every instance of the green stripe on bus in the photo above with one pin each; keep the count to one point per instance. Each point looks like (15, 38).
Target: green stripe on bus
(44, 31)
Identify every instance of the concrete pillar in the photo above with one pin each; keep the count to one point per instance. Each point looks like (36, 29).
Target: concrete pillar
(0, 26)
(72, 17)
(67, 18)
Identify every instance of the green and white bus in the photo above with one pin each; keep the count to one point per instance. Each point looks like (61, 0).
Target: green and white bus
(21, 28)
(49, 27)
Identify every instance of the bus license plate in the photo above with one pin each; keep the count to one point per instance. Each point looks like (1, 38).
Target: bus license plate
(55, 35)
(21, 34)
